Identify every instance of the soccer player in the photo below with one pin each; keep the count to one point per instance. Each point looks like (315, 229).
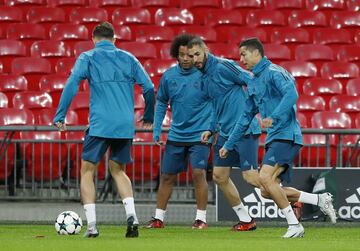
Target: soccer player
(272, 93)
(191, 110)
(111, 74)
(223, 81)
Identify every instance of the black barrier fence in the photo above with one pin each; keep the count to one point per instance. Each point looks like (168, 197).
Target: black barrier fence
(38, 162)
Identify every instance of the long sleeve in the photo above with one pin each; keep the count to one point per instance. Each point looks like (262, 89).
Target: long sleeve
(79, 72)
(242, 124)
(232, 72)
(213, 121)
(162, 100)
(143, 79)
(285, 85)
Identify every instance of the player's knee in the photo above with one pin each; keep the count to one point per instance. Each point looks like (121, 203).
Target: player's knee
(219, 178)
(87, 167)
(168, 179)
(265, 179)
(198, 176)
(251, 178)
(264, 193)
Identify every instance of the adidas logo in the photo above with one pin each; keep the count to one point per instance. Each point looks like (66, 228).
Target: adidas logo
(202, 162)
(259, 207)
(351, 211)
(272, 158)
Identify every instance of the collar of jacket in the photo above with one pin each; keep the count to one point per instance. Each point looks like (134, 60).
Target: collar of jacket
(104, 44)
(185, 72)
(259, 67)
(210, 63)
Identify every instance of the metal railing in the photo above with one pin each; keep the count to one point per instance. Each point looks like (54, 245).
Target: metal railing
(49, 169)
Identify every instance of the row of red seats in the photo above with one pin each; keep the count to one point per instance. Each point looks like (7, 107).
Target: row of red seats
(303, 52)
(192, 4)
(177, 16)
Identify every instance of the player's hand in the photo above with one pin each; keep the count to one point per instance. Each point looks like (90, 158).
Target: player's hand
(223, 153)
(147, 126)
(267, 122)
(205, 136)
(61, 126)
(159, 142)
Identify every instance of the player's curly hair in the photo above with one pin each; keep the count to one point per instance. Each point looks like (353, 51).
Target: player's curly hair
(180, 40)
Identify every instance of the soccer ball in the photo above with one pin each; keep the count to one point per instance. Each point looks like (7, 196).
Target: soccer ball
(68, 223)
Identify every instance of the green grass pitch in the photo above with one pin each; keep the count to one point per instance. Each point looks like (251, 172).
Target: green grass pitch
(219, 238)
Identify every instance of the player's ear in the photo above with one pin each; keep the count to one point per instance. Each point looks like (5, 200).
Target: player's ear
(206, 50)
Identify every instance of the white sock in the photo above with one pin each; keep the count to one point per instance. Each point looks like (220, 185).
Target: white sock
(290, 215)
(130, 208)
(90, 214)
(201, 215)
(160, 214)
(309, 198)
(242, 213)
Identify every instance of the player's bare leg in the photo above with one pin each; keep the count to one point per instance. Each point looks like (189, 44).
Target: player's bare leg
(201, 195)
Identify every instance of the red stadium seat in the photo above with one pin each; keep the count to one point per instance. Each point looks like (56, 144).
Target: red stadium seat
(340, 70)
(353, 5)
(107, 3)
(131, 16)
(9, 50)
(307, 103)
(206, 33)
(80, 104)
(345, 103)
(10, 84)
(225, 50)
(284, 4)
(237, 34)
(157, 67)
(290, 36)
(88, 15)
(3, 101)
(64, 66)
(316, 5)
(223, 17)
(46, 117)
(22, 3)
(322, 86)
(29, 65)
(10, 14)
(165, 51)
(150, 3)
(139, 50)
(152, 33)
(1, 67)
(172, 16)
(32, 100)
(302, 120)
(357, 38)
(306, 18)
(139, 102)
(45, 160)
(199, 7)
(300, 69)
(54, 85)
(122, 33)
(353, 87)
(332, 36)
(62, 3)
(349, 53)
(345, 19)
(313, 52)
(45, 15)
(357, 120)
(265, 18)
(49, 48)
(82, 46)
(233, 4)
(24, 31)
(8, 117)
(331, 120)
(276, 52)
(68, 32)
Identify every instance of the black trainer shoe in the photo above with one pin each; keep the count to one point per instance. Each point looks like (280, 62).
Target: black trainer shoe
(132, 229)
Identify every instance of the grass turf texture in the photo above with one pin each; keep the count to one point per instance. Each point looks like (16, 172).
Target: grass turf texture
(219, 238)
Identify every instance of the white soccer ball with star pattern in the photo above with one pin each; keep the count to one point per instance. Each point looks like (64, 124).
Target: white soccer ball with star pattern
(68, 223)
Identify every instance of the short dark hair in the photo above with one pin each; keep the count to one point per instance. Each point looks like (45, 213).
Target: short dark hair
(104, 30)
(253, 44)
(196, 41)
(180, 40)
